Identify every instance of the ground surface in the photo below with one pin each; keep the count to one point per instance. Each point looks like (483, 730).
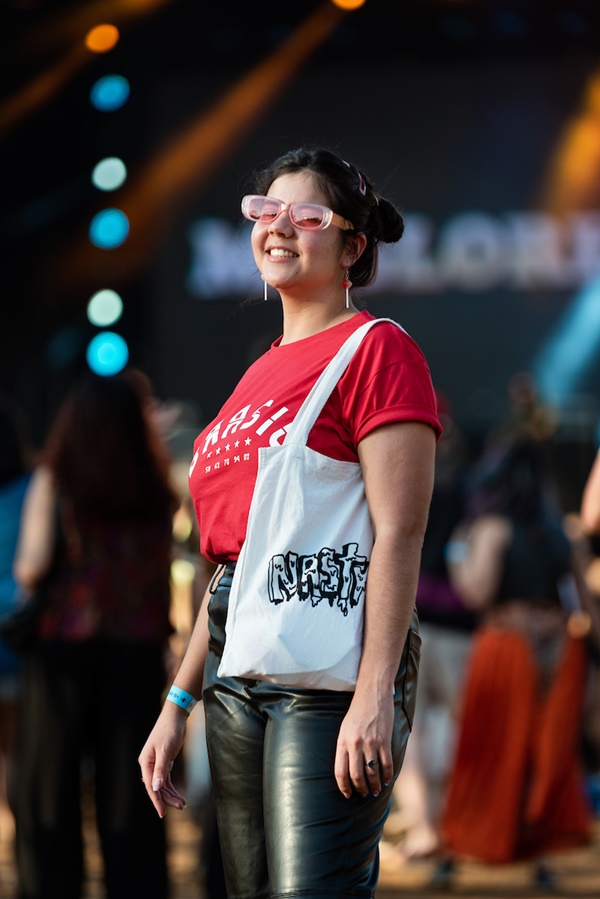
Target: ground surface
(578, 872)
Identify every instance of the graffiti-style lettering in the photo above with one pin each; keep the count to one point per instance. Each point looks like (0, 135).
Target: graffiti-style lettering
(283, 577)
(338, 577)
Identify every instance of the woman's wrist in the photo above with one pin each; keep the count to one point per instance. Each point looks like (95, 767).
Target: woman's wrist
(181, 698)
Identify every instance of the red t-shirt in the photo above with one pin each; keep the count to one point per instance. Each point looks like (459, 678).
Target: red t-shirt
(387, 380)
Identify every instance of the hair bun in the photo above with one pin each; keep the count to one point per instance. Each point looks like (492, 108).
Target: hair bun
(389, 224)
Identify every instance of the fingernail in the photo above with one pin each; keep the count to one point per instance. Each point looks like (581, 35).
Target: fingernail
(156, 784)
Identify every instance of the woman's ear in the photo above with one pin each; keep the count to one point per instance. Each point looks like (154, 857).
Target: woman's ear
(354, 247)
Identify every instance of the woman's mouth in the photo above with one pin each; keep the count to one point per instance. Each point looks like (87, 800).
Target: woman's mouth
(278, 253)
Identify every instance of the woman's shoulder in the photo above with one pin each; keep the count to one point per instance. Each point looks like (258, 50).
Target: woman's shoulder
(389, 336)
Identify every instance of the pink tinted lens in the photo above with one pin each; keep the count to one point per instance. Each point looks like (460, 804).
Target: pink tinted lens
(309, 215)
(263, 208)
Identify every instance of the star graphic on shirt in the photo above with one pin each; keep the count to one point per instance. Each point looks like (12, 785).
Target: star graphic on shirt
(236, 444)
(218, 451)
(247, 441)
(208, 455)
(227, 447)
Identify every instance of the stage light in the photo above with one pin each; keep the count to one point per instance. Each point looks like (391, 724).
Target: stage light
(109, 229)
(109, 173)
(348, 4)
(573, 348)
(107, 353)
(105, 308)
(102, 38)
(109, 93)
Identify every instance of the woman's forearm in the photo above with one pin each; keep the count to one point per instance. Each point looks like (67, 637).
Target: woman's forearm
(191, 671)
(389, 606)
(590, 503)
(37, 535)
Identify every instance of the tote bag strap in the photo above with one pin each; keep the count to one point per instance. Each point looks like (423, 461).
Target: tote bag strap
(321, 391)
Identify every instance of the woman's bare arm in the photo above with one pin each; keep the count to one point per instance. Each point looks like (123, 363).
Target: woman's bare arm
(37, 534)
(590, 502)
(476, 571)
(166, 739)
(398, 463)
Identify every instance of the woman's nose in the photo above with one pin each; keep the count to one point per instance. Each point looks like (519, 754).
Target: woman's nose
(282, 224)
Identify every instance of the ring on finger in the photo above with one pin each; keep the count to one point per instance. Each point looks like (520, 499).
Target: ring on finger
(374, 763)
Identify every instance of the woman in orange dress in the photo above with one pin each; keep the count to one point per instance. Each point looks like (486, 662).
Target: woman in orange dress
(515, 791)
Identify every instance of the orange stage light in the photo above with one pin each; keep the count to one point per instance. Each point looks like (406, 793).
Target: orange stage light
(348, 4)
(102, 38)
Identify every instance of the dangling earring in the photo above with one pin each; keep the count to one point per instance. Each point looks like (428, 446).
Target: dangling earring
(265, 288)
(347, 284)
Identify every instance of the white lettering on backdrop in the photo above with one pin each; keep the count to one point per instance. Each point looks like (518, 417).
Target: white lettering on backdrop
(471, 251)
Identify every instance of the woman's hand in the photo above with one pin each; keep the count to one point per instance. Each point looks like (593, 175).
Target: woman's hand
(365, 737)
(166, 739)
(158, 756)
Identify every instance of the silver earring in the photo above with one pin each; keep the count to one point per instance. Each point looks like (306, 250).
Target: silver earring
(347, 284)
(265, 288)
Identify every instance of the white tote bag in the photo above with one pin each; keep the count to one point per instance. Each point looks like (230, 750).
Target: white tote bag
(296, 606)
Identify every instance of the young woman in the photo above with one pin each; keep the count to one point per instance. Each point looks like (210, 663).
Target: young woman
(303, 777)
(97, 529)
(514, 791)
(15, 472)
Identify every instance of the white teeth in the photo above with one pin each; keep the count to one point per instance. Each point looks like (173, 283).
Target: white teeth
(286, 253)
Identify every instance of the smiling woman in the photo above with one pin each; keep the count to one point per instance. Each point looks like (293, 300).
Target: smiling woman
(306, 738)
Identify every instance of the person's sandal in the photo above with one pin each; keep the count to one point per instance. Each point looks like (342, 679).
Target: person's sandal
(442, 877)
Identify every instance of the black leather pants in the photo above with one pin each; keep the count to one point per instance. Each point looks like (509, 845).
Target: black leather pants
(285, 828)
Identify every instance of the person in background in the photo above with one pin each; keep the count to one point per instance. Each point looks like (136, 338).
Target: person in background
(590, 500)
(515, 790)
(98, 516)
(15, 473)
(303, 777)
(446, 627)
(587, 535)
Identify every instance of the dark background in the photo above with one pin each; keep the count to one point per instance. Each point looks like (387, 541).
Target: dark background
(451, 106)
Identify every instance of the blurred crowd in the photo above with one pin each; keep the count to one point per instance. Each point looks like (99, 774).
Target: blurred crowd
(503, 763)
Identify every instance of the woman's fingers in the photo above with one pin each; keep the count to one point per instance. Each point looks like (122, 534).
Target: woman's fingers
(373, 774)
(342, 773)
(157, 758)
(366, 772)
(172, 797)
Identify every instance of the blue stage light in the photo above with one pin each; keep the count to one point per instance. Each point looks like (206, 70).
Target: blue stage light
(109, 229)
(573, 348)
(109, 93)
(107, 353)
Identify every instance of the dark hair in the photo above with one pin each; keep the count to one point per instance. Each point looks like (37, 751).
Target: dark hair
(14, 450)
(350, 194)
(512, 478)
(105, 455)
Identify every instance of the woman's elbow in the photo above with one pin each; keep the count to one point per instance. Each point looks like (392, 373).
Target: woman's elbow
(590, 520)
(26, 574)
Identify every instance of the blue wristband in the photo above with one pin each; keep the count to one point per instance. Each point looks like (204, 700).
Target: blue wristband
(181, 698)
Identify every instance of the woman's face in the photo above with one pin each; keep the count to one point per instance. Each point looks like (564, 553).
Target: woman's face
(294, 260)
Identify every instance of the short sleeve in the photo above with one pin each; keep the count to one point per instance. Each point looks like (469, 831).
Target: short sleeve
(387, 381)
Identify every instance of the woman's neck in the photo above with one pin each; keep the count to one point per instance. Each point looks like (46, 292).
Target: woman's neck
(304, 321)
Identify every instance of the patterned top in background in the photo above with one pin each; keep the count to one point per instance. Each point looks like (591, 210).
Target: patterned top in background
(112, 582)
